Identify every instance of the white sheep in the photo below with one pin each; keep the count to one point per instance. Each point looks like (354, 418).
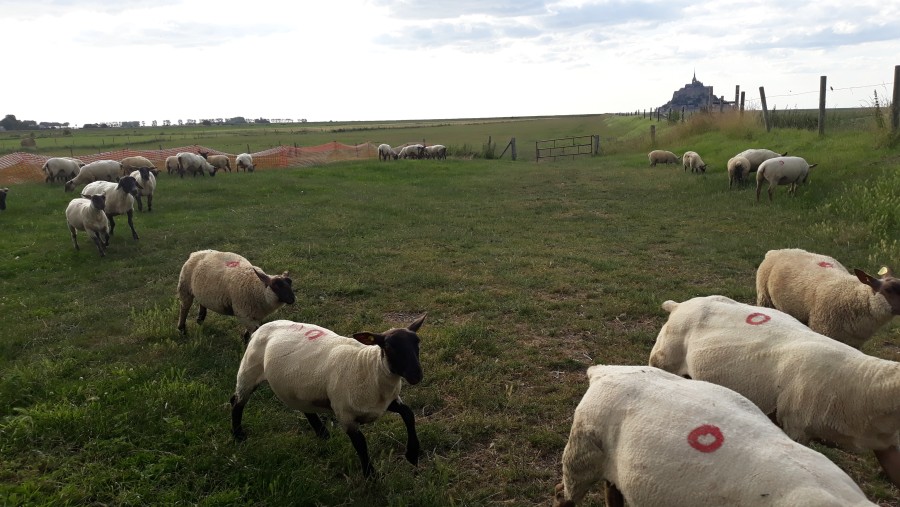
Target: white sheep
(692, 160)
(172, 165)
(385, 152)
(314, 370)
(193, 163)
(147, 183)
(87, 214)
(662, 157)
(412, 151)
(821, 293)
(3, 192)
(131, 164)
(220, 162)
(756, 156)
(738, 169)
(119, 200)
(655, 438)
(229, 284)
(792, 171)
(437, 151)
(813, 387)
(244, 161)
(61, 168)
(101, 170)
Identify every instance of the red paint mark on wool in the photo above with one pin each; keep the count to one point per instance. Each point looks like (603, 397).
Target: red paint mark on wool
(706, 438)
(233, 264)
(755, 319)
(826, 264)
(312, 334)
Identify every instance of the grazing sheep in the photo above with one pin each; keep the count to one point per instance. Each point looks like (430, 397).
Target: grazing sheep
(101, 170)
(61, 168)
(662, 157)
(314, 370)
(738, 169)
(792, 171)
(119, 200)
(438, 151)
(692, 160)
(229, 284)
(819, 292)
(412, 151)
(244, 161)
(172, 165)
(756, 156)
(220, 162)
(147, 183)
(813, 387)
(193, 163)
(385, 152)
(87, 214)
(131, 164)
(655, 438)
(3, 192)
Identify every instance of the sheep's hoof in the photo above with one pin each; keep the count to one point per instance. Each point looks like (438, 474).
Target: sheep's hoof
(239, 435)
(412, 457)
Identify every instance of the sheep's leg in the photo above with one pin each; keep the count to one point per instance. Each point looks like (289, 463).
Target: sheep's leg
(362, 450)
(186, 301)
(96, 237)
(134, 233)
(412, 440)
(112, 227)
(582, 464)
(890, 462)
(614, 497)
(150, 203)
(201, 315)
(74, 238)
(316, 422)
(140, 203)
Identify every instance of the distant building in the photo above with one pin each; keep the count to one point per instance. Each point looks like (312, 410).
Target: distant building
(694, 96)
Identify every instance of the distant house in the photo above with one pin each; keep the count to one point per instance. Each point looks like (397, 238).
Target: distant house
(695, 96)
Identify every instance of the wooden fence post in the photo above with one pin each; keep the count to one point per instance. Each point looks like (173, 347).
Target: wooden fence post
(742, 103)
(722, 104)
(596, 144)
(682, 114)
(537, 152)
(895, 106)
(762, 98)
(653, 135)
(513, 143)
(737, 93)
(822, 81)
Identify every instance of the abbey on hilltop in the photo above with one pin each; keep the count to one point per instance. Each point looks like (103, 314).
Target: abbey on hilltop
(694, 96)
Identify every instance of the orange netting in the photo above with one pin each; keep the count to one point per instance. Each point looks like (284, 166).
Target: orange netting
(22, 167)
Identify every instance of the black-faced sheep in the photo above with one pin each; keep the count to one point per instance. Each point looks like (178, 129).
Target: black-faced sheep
(220, 162)
(119, 200)
(131, 164)
(61, 168)
(385, 152)
(193, 163)
(147, 183)
(101, 170)
(87, 214)
(738, 169)
(244, 161)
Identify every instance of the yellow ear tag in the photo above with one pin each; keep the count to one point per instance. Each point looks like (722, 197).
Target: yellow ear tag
(883, 271)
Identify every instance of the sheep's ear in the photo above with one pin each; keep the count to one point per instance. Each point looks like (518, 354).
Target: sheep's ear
(266, 280)
(287, 278)
(367, 338)
(784, 154)
(417, 324)
(865, 278)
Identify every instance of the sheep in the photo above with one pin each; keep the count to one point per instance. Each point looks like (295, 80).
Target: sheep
(193, 163)
(692, 160)
(87, 214)
(792, 171)
(662, 157)
(412, 151)
(244, 161)
(61, 168)
(131, 164)
(101, 170)
(229, 284)
(757, 156)
(314, 370)
(119, 200)
(438, 151)
(385, 152)
(172, 165)
(738, 169)
(3, 192)
(220, 162)
(147, 183)
(813, 387)
(655, 438)
(821, 293)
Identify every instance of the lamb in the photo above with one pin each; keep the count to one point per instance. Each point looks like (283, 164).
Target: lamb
(412, 151)
(172, 165)
(438, 151)
(86, 214)
(757, 156)
(101, 170)
(792, 171)
(244, 161)
(662, 157)
(131, 164)
(813, 387)
(193, 163)
(229, 284)
(385, 152)
(821, 293)
(692, 160)
(3, 192)
(147, 183)
(655, 438)
(61, 168)
(314, 370)
(119, 200)
(220, 162)
(738, 169)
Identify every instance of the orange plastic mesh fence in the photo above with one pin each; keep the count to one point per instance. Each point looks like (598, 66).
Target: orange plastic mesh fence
(22, 167)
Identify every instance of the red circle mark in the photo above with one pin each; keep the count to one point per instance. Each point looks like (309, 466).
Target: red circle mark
(781, 162)
(706, 438)
(233, 264)
(826, 264)
(755, 319)
(312, 334)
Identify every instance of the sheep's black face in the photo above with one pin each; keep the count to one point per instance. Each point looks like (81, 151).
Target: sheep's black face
(281, 286)
(98, 201)
(890, 289)
(401, 346)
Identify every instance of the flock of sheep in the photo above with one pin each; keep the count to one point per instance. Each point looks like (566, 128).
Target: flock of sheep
(769, 166)
(436, 151)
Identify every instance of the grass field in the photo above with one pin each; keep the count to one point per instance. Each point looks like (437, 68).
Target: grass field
(529, 273)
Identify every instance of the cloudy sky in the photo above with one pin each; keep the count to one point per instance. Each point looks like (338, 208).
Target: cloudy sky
(88, 61)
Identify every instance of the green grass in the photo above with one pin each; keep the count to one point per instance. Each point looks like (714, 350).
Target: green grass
(529, 274)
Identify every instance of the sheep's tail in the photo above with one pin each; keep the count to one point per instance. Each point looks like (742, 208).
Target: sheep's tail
(813, 165)
(670, 305)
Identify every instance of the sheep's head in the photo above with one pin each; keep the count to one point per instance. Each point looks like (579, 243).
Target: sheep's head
(203, 154)
(888, 286)
(98, 201)
(145, 173)
(3, 192)
(279, 284)
(129, 185)
(400, 347)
